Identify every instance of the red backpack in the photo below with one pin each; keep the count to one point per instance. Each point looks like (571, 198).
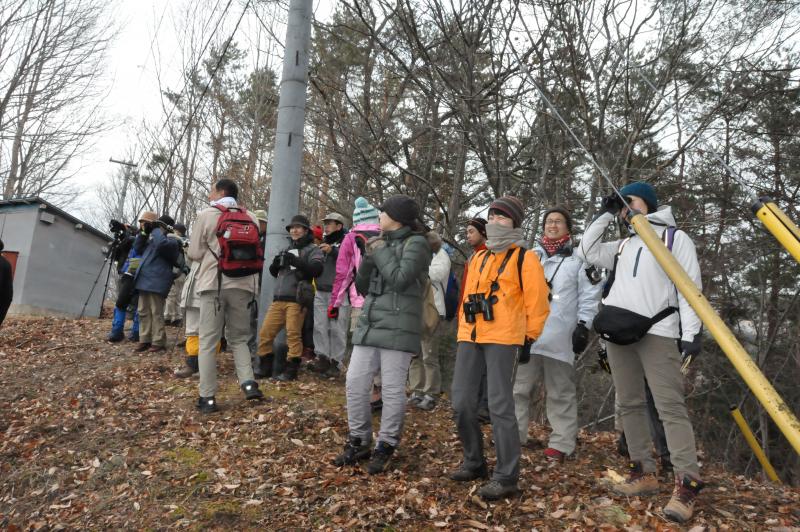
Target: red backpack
(240, 251)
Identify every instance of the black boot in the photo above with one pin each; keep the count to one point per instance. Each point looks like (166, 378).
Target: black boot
(354, 451)
(189, 369)
(251, 391)
(289, 371)
(264, 370)
(380, 458)
(207, 405)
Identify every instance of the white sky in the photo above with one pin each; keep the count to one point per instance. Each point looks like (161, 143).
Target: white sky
(133, 78)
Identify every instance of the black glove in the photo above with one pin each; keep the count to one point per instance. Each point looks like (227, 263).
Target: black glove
(602, 359)
(580, 338)
(525, 352)
(276, 262)
(689, 350)
(293, 260)
(612, 203)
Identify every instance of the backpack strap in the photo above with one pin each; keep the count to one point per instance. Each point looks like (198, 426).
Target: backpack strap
(668, 236)
(520, 261)
(613, 274)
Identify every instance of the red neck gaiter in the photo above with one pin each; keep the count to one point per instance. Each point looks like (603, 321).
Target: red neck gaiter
(551, 246)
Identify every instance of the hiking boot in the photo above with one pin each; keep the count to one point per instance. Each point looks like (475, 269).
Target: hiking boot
(142, 347)
(681, 506)
(554, 455)
(427, 403)
(189, 369)
(308, 354)
(380, 458)
(464, 474)
(414, 399)
(207, 405)
(353, 452)
(251, 391)
(494, 490)
(638, 482)
(333, 371)
(321, 365)
(156, 349)
(665, 466)
(182, 343)
(264, 370)
(114, 338)
(289, 371)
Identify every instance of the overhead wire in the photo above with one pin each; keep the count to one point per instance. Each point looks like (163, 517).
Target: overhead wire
(166, 121)
(200, 101)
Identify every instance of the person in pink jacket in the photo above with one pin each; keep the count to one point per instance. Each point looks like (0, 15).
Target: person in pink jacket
(365, 225)
(351, 250)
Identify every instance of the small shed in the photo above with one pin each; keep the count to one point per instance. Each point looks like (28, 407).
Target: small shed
(59, 260)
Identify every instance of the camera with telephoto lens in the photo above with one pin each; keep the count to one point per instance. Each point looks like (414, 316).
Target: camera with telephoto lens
(479, 304)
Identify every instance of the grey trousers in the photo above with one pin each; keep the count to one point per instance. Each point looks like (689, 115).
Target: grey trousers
(330, 336)
(425, 376)
(233, 314)
(655, 358)
(562, 400)
(498, 361)
(364, 364)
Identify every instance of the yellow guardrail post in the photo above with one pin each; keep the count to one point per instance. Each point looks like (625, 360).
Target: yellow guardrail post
(753, 443)
(781, 227)
(741, 360)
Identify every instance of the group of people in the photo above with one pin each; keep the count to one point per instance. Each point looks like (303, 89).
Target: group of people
(523, 312)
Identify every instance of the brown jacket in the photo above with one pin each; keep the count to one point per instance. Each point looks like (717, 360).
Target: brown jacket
(202, 244)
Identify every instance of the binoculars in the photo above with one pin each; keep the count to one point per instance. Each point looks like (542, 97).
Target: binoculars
(479, 304)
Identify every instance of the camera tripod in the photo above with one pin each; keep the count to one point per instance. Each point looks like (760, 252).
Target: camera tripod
(108, 260)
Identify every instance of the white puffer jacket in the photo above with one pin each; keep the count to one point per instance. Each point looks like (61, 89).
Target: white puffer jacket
(574, 299)
(640, 284)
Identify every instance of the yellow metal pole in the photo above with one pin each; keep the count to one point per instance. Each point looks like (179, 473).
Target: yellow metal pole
(781, 227)
(741, 360)
(784, 218)
(753, 443)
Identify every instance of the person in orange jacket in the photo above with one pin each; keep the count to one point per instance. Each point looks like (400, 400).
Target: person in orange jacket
(503, 307)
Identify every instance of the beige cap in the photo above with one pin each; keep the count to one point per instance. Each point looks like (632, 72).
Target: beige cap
(335, 217)
(261, 215)
(148, 216)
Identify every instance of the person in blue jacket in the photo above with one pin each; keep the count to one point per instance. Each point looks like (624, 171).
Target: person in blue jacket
(153, 278)
(127, 298)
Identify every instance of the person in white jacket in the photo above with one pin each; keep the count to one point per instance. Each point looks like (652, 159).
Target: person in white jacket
(424, 375)
(573, 305)
(641, 290)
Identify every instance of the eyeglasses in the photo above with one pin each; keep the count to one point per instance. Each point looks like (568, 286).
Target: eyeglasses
(554, 222)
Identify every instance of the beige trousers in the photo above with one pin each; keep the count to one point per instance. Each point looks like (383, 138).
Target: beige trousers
(151, 319)
(657, 359)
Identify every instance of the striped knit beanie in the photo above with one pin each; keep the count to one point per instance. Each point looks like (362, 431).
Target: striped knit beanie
(364, 213)
(509, 206)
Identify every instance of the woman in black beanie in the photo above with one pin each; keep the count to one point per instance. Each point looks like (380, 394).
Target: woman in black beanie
(392, 278)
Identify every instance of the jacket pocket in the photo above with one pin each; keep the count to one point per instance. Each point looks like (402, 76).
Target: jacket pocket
(636, 264)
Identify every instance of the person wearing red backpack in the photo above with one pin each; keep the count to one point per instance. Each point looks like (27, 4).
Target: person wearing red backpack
(227, 286)
(293, 268)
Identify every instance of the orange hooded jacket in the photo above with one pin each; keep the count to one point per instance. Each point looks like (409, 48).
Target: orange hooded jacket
(520, 311)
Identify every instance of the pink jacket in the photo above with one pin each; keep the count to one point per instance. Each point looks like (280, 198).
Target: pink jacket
(346, 265)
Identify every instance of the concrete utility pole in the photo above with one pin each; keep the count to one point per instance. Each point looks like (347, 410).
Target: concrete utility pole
(284, 200)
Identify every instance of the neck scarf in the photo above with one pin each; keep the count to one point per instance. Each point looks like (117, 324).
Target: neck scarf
(552, 245)
(501, 237)
(227, 202)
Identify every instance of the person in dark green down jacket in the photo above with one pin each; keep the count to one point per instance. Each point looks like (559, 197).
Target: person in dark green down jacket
(392, 277)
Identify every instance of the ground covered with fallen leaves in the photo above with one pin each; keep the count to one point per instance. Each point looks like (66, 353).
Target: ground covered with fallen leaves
(95, 436)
